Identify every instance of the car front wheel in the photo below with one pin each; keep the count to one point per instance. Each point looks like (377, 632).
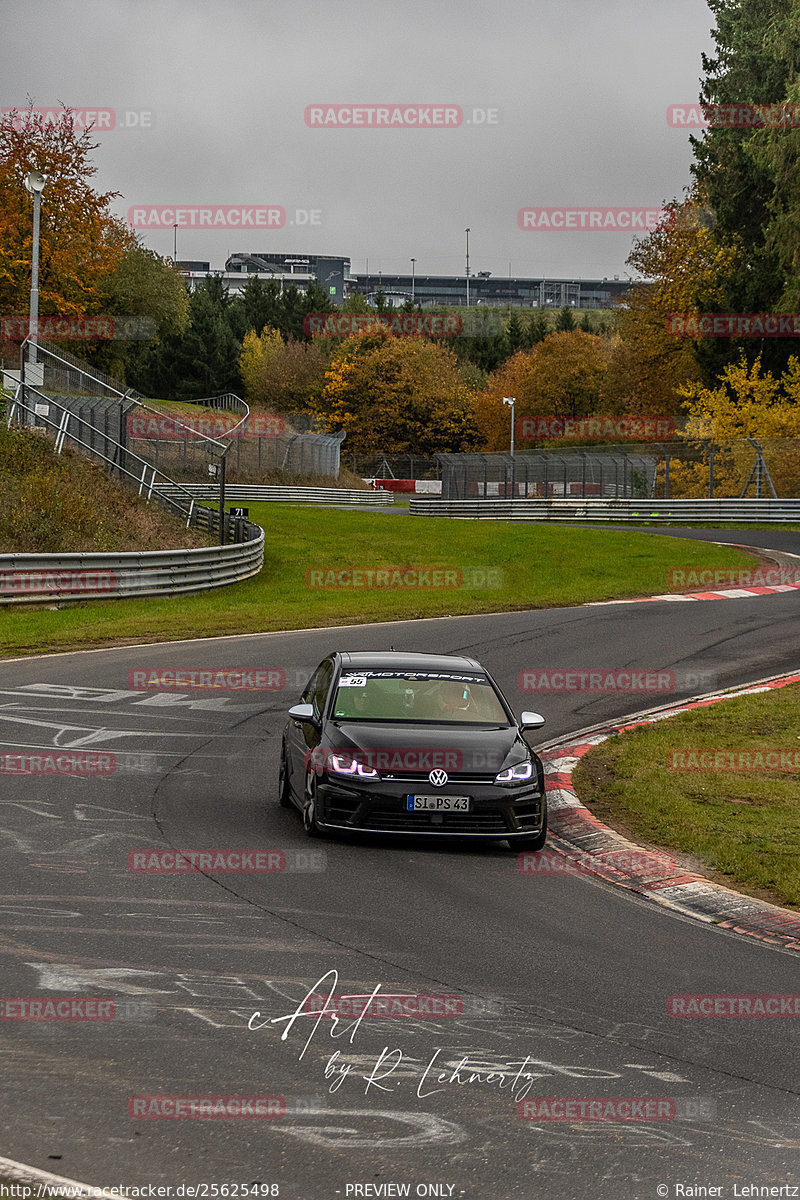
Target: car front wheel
(310, 810)
(284, 790)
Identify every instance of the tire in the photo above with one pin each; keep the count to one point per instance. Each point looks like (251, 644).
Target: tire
(532, 843)
(310, 810)
(284, 789)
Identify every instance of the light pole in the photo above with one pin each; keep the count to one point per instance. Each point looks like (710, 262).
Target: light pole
(511, 401)
(174, 243)
(467, 271)
(34, 183)
(413, 261)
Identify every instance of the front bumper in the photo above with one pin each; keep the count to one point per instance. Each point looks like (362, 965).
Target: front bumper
(496, 812)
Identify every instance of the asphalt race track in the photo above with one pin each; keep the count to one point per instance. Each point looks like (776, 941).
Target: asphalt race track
(564, 977)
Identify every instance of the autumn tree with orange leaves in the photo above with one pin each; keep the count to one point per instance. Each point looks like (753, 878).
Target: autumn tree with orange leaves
(90, 262)
(396, 394)
(566, 375)
(81, 243)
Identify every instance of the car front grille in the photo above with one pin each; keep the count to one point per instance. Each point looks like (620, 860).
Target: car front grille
(421, 822)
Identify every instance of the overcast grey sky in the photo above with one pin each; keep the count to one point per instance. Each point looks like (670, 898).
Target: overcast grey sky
(581, 88)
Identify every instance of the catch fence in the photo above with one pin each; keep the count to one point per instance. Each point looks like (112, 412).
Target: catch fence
(179, 440)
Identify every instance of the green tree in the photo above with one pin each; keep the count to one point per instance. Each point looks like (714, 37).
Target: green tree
(202, 361)
(539, 327)
(514, 332)
(149, 289)
(745, 175)
(261, 303)
(356, 302)
(565, 321)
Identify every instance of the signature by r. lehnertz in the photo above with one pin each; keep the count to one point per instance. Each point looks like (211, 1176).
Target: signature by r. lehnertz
(517, 1082)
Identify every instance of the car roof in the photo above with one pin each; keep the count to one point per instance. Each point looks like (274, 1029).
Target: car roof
(398, 659)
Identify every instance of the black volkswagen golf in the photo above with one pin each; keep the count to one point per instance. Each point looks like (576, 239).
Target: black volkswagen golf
(415, 744)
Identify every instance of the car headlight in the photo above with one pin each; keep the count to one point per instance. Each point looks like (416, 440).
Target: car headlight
(342, 764)
(516, 774)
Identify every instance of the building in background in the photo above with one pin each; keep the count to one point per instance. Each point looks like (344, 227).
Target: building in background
(333, 273)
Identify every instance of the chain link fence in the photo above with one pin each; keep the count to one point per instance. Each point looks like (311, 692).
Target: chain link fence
(179, 440)
(392, 466)
(662, 470)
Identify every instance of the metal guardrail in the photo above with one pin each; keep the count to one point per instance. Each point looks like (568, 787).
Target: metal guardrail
(43, 578)
(258, 493)
(610, 510)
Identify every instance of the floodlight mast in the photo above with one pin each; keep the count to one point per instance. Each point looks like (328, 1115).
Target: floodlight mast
(34, 183)
(511, 401)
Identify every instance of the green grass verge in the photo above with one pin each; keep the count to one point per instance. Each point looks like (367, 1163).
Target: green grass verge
(541, 567)
(742, 826)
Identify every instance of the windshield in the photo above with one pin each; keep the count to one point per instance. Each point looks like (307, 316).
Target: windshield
(421, 696)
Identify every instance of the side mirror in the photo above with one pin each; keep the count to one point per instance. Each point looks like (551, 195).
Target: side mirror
(531, 720)
(302, 712)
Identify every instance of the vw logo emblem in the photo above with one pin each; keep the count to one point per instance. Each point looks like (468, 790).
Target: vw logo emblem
(438, 777)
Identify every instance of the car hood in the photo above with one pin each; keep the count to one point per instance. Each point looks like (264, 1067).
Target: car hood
(411, 748)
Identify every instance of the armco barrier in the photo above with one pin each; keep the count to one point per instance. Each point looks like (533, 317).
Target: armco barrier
(43, 578)
(257, 493)
(637, 511)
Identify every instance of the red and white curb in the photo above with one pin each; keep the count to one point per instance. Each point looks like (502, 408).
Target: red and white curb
(589, 846)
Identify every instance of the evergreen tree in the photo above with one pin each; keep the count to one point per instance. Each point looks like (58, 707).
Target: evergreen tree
(565, 321)
(539, 327)
(514, 332)
(261, 303)
(756, 61)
